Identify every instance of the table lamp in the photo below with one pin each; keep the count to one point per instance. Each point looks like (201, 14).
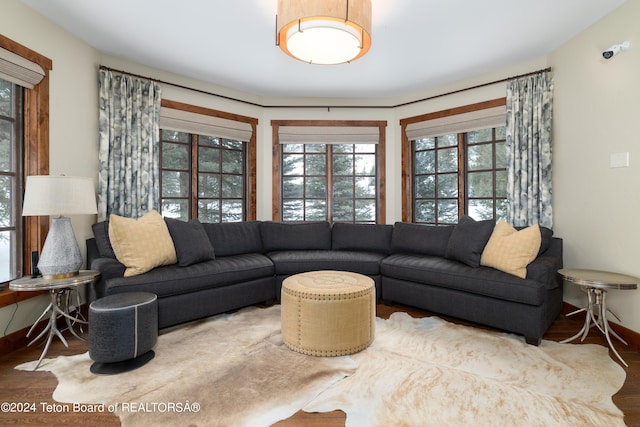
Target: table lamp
(59, 195)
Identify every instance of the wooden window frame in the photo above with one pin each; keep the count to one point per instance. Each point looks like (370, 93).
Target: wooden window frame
(36, 156)
(407, 153)
(15, 120)
(276, 156)
(437, 151)
(494, 170)
(250, 156)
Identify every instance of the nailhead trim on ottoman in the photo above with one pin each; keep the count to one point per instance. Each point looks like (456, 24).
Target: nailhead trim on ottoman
(122, 327)
(328, 313)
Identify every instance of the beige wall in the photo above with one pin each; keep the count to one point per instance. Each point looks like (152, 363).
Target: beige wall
(73, 117)
(266, 115)
(594, 116)
(597, 113)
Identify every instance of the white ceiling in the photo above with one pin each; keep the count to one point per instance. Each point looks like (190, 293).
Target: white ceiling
(416, 44)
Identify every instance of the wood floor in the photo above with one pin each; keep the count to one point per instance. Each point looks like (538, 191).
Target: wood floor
(31, 388)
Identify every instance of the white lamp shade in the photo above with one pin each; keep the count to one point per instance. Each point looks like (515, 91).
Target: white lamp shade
(59, 195)
(323, 42)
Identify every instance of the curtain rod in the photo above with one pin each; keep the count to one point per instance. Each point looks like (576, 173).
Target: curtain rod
(475, 87)
(104, 67)
(328, 107)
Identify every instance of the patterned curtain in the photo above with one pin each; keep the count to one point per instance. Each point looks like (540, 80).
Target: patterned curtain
(529, 114)
(129, 157)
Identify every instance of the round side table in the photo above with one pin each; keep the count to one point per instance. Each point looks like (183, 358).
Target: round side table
(596, 283)
(60, 294)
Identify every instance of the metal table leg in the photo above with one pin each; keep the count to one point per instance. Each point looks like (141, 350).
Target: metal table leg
(596, 315)
(58, 307)
(605, 325)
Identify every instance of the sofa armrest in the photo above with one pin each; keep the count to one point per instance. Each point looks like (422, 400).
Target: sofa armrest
(554, 249)
(92, 251)
(544, 269)
(108, 267)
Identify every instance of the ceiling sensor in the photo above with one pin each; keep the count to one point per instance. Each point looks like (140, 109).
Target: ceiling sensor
(613, 50)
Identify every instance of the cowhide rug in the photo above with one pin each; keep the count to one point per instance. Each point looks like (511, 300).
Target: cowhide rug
(428, 372)
(234, 368)
(418, 372)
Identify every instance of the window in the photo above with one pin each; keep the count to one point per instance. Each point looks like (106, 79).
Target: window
(207, 169)
(29, 73)
(217, 193)
(331, 181)
(349, 170)
(454, 164)
(10, 180)
(478, 157)
(486, 173)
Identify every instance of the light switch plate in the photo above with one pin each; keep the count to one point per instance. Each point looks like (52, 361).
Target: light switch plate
(619, 160)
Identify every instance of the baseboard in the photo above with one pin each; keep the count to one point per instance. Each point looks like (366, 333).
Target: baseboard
(631, 337)
(18, 339)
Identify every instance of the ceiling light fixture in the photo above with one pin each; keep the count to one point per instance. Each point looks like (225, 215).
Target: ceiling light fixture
(324, 31)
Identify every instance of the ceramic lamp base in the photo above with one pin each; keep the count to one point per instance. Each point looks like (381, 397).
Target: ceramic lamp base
(60, 256)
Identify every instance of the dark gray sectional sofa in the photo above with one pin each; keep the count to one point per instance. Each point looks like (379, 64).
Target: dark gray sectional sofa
(415, 265)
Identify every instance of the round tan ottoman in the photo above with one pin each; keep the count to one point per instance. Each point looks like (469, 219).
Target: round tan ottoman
(328, 313)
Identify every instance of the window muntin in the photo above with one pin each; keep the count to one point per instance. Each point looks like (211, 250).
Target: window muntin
(436, 179)
(11, 125)
(329, 182)
(304, 182)
(354, 183)
(486, 173)
(211, 188)
(455, 174)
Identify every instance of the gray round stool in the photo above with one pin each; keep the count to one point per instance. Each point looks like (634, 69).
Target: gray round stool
(123, 328)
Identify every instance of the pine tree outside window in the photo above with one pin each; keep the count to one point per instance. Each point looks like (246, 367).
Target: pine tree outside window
(454, 164)
(329, 171)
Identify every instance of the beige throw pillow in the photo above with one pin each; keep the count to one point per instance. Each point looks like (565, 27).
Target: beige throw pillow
(141, 244)
(510, 250)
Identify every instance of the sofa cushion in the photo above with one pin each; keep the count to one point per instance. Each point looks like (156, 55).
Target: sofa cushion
(546, 234)
(420, 239)
(282, 236)
(190, 240)
(361, 237)
(234, 238)
(468, 240)
(172, 280)
(510, 250)
(141, 244)
(293, 262)
(442, 272)
(101, 234)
